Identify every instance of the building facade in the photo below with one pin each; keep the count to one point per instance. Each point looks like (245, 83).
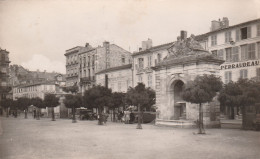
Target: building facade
(118, 79)
(4, 75)
(86, 61)
(72, 65)
(239, 46)
(147, 57)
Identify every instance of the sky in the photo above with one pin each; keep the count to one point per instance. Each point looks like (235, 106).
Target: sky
(37, 32)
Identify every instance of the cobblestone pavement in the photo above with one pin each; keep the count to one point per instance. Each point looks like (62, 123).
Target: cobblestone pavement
(45, 139)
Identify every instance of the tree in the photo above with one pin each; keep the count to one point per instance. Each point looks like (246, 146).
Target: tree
(229, 95)
(117, 101)
(98, 97)
(202, 90)
(141, 97)
(71, 89)
(23, 104)
(50, 100)
(6, 104)
(73, 101)
(38, 102)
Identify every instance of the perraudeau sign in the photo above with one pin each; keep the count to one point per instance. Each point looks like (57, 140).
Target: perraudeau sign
(240, 64)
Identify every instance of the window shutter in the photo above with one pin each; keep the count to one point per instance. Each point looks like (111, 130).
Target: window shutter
(237, 34)
(249, 32)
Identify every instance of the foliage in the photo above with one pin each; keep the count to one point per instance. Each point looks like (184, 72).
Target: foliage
(140, 95)
(71, 89)
(23, 103)
(6, 103)
(118, 99)
(203, 89)
(38, 102)
(98, 97)
(51, 100)
(242, 93)
(73, 101)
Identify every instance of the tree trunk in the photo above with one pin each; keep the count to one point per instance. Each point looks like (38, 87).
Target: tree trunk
(25, 114)
(53, 114)
(232, 115)
(100, 119)
(139, 126)
(38, 113)
(73, 115)
(201, 127)
(7, 113)
(114, 115)
(243, 117)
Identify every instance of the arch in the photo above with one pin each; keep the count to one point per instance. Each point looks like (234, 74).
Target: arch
(176, 103)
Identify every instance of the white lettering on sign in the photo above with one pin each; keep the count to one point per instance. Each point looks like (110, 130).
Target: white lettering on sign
(239, 65)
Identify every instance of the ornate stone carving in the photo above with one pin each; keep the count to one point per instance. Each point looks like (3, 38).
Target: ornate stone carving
(184, 47)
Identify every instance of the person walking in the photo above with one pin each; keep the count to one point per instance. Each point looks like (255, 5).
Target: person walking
(127, 116)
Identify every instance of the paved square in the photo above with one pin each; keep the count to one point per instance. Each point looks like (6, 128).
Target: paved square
(45, 139)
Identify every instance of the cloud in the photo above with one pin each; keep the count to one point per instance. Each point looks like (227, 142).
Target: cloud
(42, 63)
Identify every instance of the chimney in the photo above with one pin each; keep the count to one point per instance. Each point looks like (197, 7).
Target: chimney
(225, 22)
(147, 44)
(105, 43)
(215, 25)
(87, 44)
(183, 35)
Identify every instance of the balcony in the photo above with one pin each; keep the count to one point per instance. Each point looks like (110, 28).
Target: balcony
(87, 79)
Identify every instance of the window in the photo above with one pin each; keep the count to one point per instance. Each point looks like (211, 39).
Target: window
(258, 72)
(235, 54)
(228, 55)
(3, 57)
(149, 61)
(243, 73)
(258, 50)
(228, 36)
(140, 62)
(140, 79)
(159, 56)
(251, 51)
(213, 40)
(243, 52)
(245, 32)
(123, 59)
(214, 52)
(150, 80)
(220, 53)
(258, 30)
(228, 77)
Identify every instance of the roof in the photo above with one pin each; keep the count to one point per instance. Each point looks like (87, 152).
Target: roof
(197, 55)
(231, 27)
(115, 68)
(38, 83)
(155, 48)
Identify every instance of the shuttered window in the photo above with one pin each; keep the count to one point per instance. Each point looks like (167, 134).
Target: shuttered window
(235, 54)
(228, 55)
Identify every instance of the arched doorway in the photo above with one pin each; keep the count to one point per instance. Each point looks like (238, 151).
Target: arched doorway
(179, 104)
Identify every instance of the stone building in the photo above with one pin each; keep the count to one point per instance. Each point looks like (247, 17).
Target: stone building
(119, 78)
(239, 46)
(185, 60)
(40, 90)
(72, 65)
(88, 61)
(4, 75)
(147, 57)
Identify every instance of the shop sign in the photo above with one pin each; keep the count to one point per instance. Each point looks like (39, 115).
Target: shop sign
(240, 65)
